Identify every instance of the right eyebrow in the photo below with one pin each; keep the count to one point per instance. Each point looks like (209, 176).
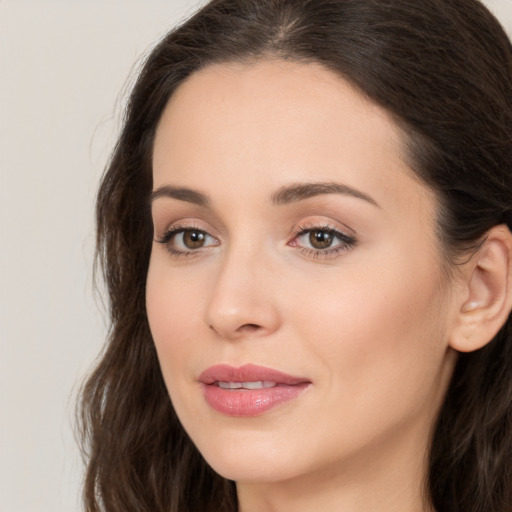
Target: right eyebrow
(300, 191)
(182, 194)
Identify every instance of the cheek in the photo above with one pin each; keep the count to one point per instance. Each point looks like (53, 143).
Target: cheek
(390, 299)
(173, 308)
(379, 337)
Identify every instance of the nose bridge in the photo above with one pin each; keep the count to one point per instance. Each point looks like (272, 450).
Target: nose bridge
(242, 300)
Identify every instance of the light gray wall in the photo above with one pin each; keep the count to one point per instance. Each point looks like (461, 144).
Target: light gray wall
(63, 65)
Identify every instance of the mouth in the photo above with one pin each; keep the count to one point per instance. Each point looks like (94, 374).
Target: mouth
(249, 390)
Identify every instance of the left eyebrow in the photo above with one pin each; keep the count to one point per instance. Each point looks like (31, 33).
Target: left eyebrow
(300, 191)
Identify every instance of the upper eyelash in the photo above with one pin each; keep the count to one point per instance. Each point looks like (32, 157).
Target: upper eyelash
(307, 228)
(170, 232)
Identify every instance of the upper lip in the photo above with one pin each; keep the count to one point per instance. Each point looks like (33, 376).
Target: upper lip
(248, 373)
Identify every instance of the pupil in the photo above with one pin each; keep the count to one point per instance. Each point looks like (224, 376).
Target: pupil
(320, 239)
(193, 239)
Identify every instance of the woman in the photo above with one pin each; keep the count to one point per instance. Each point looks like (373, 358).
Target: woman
(305, 233)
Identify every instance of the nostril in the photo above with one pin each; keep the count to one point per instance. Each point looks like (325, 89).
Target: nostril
(240, 331)
(249, 327)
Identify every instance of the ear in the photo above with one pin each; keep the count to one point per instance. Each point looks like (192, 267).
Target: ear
(486, 298)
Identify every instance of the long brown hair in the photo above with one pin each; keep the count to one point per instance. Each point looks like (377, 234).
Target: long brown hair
(443, 69)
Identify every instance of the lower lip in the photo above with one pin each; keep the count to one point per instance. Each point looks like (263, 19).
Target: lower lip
(250, 402)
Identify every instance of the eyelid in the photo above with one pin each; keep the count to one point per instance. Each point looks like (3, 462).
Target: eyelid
(312, 224)
(181, 225)
(184, 223)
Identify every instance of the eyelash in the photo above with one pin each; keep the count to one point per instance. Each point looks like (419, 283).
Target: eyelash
(345, 242)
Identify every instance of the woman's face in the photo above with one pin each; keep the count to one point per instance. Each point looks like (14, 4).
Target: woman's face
(295, 290)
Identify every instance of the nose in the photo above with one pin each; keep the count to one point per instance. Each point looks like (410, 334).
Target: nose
(243, 302)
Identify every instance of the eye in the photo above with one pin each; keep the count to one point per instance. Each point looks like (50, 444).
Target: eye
(186, 240)
(318, 241)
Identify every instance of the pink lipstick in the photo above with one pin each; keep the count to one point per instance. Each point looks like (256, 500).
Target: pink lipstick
(249, 390)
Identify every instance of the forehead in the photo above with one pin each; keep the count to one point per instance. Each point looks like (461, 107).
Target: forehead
(279, 121)
(270, 101)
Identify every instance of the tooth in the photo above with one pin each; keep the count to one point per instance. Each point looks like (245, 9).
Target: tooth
(253, 385)
(229, 385)
(247, 385)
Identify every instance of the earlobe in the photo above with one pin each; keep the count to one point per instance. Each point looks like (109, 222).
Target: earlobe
(487, 298)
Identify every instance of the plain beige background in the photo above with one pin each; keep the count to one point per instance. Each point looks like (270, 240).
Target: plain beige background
(64, 68)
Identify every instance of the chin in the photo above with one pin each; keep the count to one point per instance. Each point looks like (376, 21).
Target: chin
(255, 472)
(248, 460)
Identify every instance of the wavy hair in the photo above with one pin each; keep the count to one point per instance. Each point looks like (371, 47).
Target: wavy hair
(443, 69)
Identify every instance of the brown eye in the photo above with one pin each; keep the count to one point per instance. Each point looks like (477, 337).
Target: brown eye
(193, 238)
(187, 241)
(321, 239)
(322, 242)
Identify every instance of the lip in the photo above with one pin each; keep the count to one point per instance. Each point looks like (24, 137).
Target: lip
(249, 402)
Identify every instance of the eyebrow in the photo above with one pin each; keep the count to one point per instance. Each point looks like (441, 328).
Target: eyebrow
(285, 195)
(300, 191)
(182, 194)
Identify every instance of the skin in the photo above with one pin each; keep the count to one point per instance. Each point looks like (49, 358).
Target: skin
(368, 325)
